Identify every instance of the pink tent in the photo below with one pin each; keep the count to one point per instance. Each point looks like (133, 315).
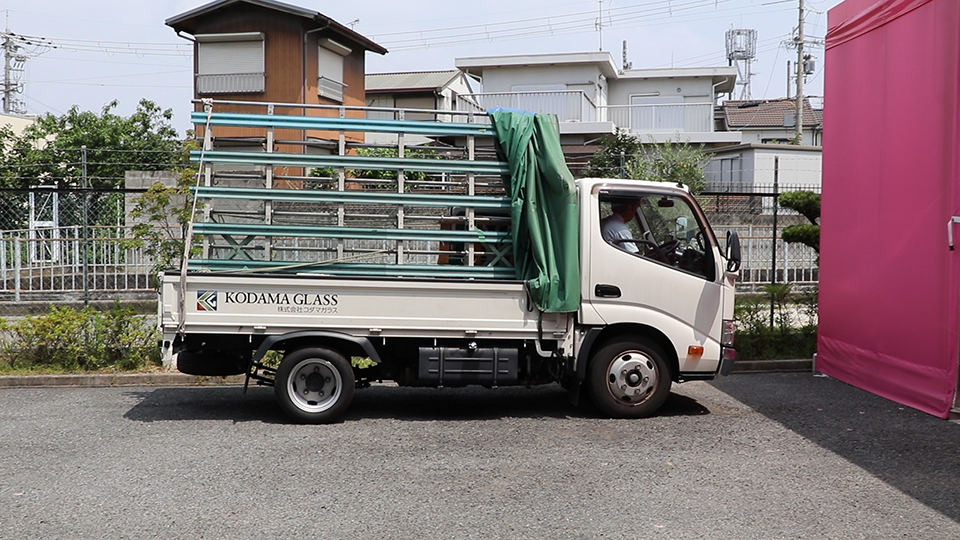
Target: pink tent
(889, 283)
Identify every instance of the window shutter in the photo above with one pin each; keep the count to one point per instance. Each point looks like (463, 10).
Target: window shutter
(230, 57)
(330, 66)
(230, 67)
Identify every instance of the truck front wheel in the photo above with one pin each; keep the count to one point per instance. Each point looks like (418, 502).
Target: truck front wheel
(629, 379)
(314, 385)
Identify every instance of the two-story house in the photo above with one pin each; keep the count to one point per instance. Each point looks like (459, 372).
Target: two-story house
(269, 51)
(767, 128)
(592, 97)
(771, 121)
(425, 90)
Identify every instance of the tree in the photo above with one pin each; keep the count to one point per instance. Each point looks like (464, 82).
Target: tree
(49, 152)
(807, 204)
(611, 159)
(165, 213)
(623, 155)
(678, 163)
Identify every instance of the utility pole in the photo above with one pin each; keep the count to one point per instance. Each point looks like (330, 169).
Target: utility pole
(9, 87)
(801, 73)
(17, 49)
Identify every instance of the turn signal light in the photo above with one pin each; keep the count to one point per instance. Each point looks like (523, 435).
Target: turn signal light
(695, 351)
(729, 331)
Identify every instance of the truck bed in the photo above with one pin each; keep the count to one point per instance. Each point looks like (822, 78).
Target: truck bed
(231, 303)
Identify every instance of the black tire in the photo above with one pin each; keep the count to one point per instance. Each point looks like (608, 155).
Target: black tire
(314, 385)
(629, 378)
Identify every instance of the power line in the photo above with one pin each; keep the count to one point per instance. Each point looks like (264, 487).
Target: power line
(552, 25)
(115, 76)
(108, 47)
(579, 26)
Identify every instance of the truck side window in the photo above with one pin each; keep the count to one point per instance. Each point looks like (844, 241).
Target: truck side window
(657, 227)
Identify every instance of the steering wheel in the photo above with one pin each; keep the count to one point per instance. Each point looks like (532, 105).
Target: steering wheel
(652, 247)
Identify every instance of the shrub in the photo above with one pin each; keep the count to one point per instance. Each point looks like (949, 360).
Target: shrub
(793, 333)
(84, 339)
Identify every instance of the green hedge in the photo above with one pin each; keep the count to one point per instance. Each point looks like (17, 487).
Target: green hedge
(68, 339)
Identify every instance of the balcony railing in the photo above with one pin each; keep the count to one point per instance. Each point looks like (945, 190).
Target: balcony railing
(575, 106)
(231, 83)
(568, 105)
(662, 118)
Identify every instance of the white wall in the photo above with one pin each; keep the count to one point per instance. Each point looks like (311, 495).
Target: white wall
(782, 134)
(692, 89)
(576, 77)
(16, 123)
(750, 166)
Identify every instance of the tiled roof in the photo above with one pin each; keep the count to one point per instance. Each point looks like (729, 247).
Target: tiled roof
(768, 113)
(419, 80)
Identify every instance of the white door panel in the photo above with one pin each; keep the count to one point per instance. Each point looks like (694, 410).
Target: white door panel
(679, 292)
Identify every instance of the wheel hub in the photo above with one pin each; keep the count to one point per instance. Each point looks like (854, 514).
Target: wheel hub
(315, 385)
(632, 377)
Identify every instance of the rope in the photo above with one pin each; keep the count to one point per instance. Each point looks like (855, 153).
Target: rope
(188, 239)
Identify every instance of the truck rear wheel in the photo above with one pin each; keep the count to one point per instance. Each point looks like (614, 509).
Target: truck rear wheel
(314, 385)
(629, 379)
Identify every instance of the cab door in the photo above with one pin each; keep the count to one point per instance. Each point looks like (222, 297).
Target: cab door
(670, 280)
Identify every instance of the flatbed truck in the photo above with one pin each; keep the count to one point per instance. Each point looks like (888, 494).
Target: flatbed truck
(649, 311)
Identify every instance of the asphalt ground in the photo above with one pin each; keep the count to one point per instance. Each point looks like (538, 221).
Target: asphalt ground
(749, 456)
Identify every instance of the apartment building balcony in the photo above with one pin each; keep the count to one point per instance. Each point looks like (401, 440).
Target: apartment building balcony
(578, 114)
(568, 105)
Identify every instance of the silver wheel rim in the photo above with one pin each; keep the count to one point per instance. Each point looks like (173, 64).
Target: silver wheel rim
(314, 385)
(632, 377)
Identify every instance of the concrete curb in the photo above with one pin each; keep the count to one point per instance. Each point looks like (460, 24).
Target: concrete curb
(91, 380)
(115, 379)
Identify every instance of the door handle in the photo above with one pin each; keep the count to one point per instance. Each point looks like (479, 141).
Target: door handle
(606, 291)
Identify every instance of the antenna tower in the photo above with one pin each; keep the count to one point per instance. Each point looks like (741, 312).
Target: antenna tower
(741, 51)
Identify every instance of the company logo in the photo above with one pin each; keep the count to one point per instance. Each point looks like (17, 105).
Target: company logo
(206, 300)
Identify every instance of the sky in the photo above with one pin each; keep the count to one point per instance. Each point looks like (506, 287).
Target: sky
(91, 52)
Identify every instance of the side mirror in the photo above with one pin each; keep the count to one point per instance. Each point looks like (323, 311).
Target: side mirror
(733, 251)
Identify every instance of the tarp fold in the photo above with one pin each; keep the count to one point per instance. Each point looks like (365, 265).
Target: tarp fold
(544, 210)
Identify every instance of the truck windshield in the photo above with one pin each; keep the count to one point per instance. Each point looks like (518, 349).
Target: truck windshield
(658, 227)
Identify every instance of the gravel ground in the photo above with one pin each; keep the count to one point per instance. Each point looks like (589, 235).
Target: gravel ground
(751, 456)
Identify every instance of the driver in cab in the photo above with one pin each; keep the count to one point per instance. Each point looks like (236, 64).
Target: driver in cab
(614, 227)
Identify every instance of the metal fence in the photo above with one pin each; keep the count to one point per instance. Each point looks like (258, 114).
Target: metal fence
(754, 213)
(68, 245)
(77, 244)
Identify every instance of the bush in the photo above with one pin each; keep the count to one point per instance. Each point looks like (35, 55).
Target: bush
(68, 339)
(794, 330)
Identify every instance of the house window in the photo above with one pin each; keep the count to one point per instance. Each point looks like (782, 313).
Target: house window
(330, 69)
(230, 63)
(730, 170)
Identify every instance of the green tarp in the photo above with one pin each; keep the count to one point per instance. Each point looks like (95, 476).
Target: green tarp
(544, 211)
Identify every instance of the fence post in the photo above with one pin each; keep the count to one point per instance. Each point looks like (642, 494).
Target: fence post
(86, 228)
(773, 265)
(17, 250)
